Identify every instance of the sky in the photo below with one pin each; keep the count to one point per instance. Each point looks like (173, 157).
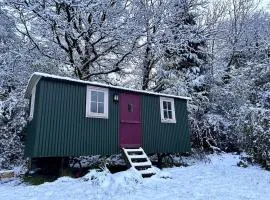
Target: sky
(265, 4)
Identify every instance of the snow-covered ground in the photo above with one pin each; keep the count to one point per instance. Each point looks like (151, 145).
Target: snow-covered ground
(218, 179)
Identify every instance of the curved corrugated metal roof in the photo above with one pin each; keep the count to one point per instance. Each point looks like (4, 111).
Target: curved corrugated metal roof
(37, 76)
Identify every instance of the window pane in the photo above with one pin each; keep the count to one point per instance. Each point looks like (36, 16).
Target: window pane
(130, 109)
(93, 107)
(165, 112)
(169, 105)
(100, 96)
(164, 105)
(94, 95)
(100, 107)
(170, 114)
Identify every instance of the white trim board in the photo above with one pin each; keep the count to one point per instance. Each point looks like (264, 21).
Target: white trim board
(37, 75)
(32, 104)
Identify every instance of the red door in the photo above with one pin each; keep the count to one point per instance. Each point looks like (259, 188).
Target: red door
(130, 120)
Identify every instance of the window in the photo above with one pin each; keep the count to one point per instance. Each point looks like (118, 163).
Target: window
(97, 102)
(130, 107)
(167, 110)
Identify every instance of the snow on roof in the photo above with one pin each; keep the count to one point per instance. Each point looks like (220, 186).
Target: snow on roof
(37, 76)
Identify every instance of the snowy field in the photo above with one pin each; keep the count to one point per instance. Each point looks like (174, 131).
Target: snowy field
(218, 179)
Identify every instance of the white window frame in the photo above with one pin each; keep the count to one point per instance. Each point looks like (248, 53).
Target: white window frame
(32, 103)
(88, 102)
(163, 120)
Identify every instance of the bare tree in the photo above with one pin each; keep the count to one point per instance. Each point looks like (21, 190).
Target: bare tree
(151, 16)
(239, 12)
(89, 37)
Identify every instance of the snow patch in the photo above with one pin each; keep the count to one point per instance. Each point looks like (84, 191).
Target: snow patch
(219, 179)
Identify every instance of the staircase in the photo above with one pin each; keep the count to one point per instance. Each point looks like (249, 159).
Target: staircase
(137, 159)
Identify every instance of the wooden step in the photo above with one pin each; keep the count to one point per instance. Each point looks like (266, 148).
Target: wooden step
(136, 156)
(134, 150)
(139, 168)
(147, 163)
(147, 171)
(138, 160)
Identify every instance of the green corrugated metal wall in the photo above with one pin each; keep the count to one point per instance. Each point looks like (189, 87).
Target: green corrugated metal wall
(164, 137)
(60, 128)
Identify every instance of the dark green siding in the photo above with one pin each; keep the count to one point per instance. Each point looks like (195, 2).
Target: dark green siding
(164, 137)
(60, 126)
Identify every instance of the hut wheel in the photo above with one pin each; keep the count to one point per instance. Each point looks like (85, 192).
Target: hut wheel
(165, 160)
(75, 163)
